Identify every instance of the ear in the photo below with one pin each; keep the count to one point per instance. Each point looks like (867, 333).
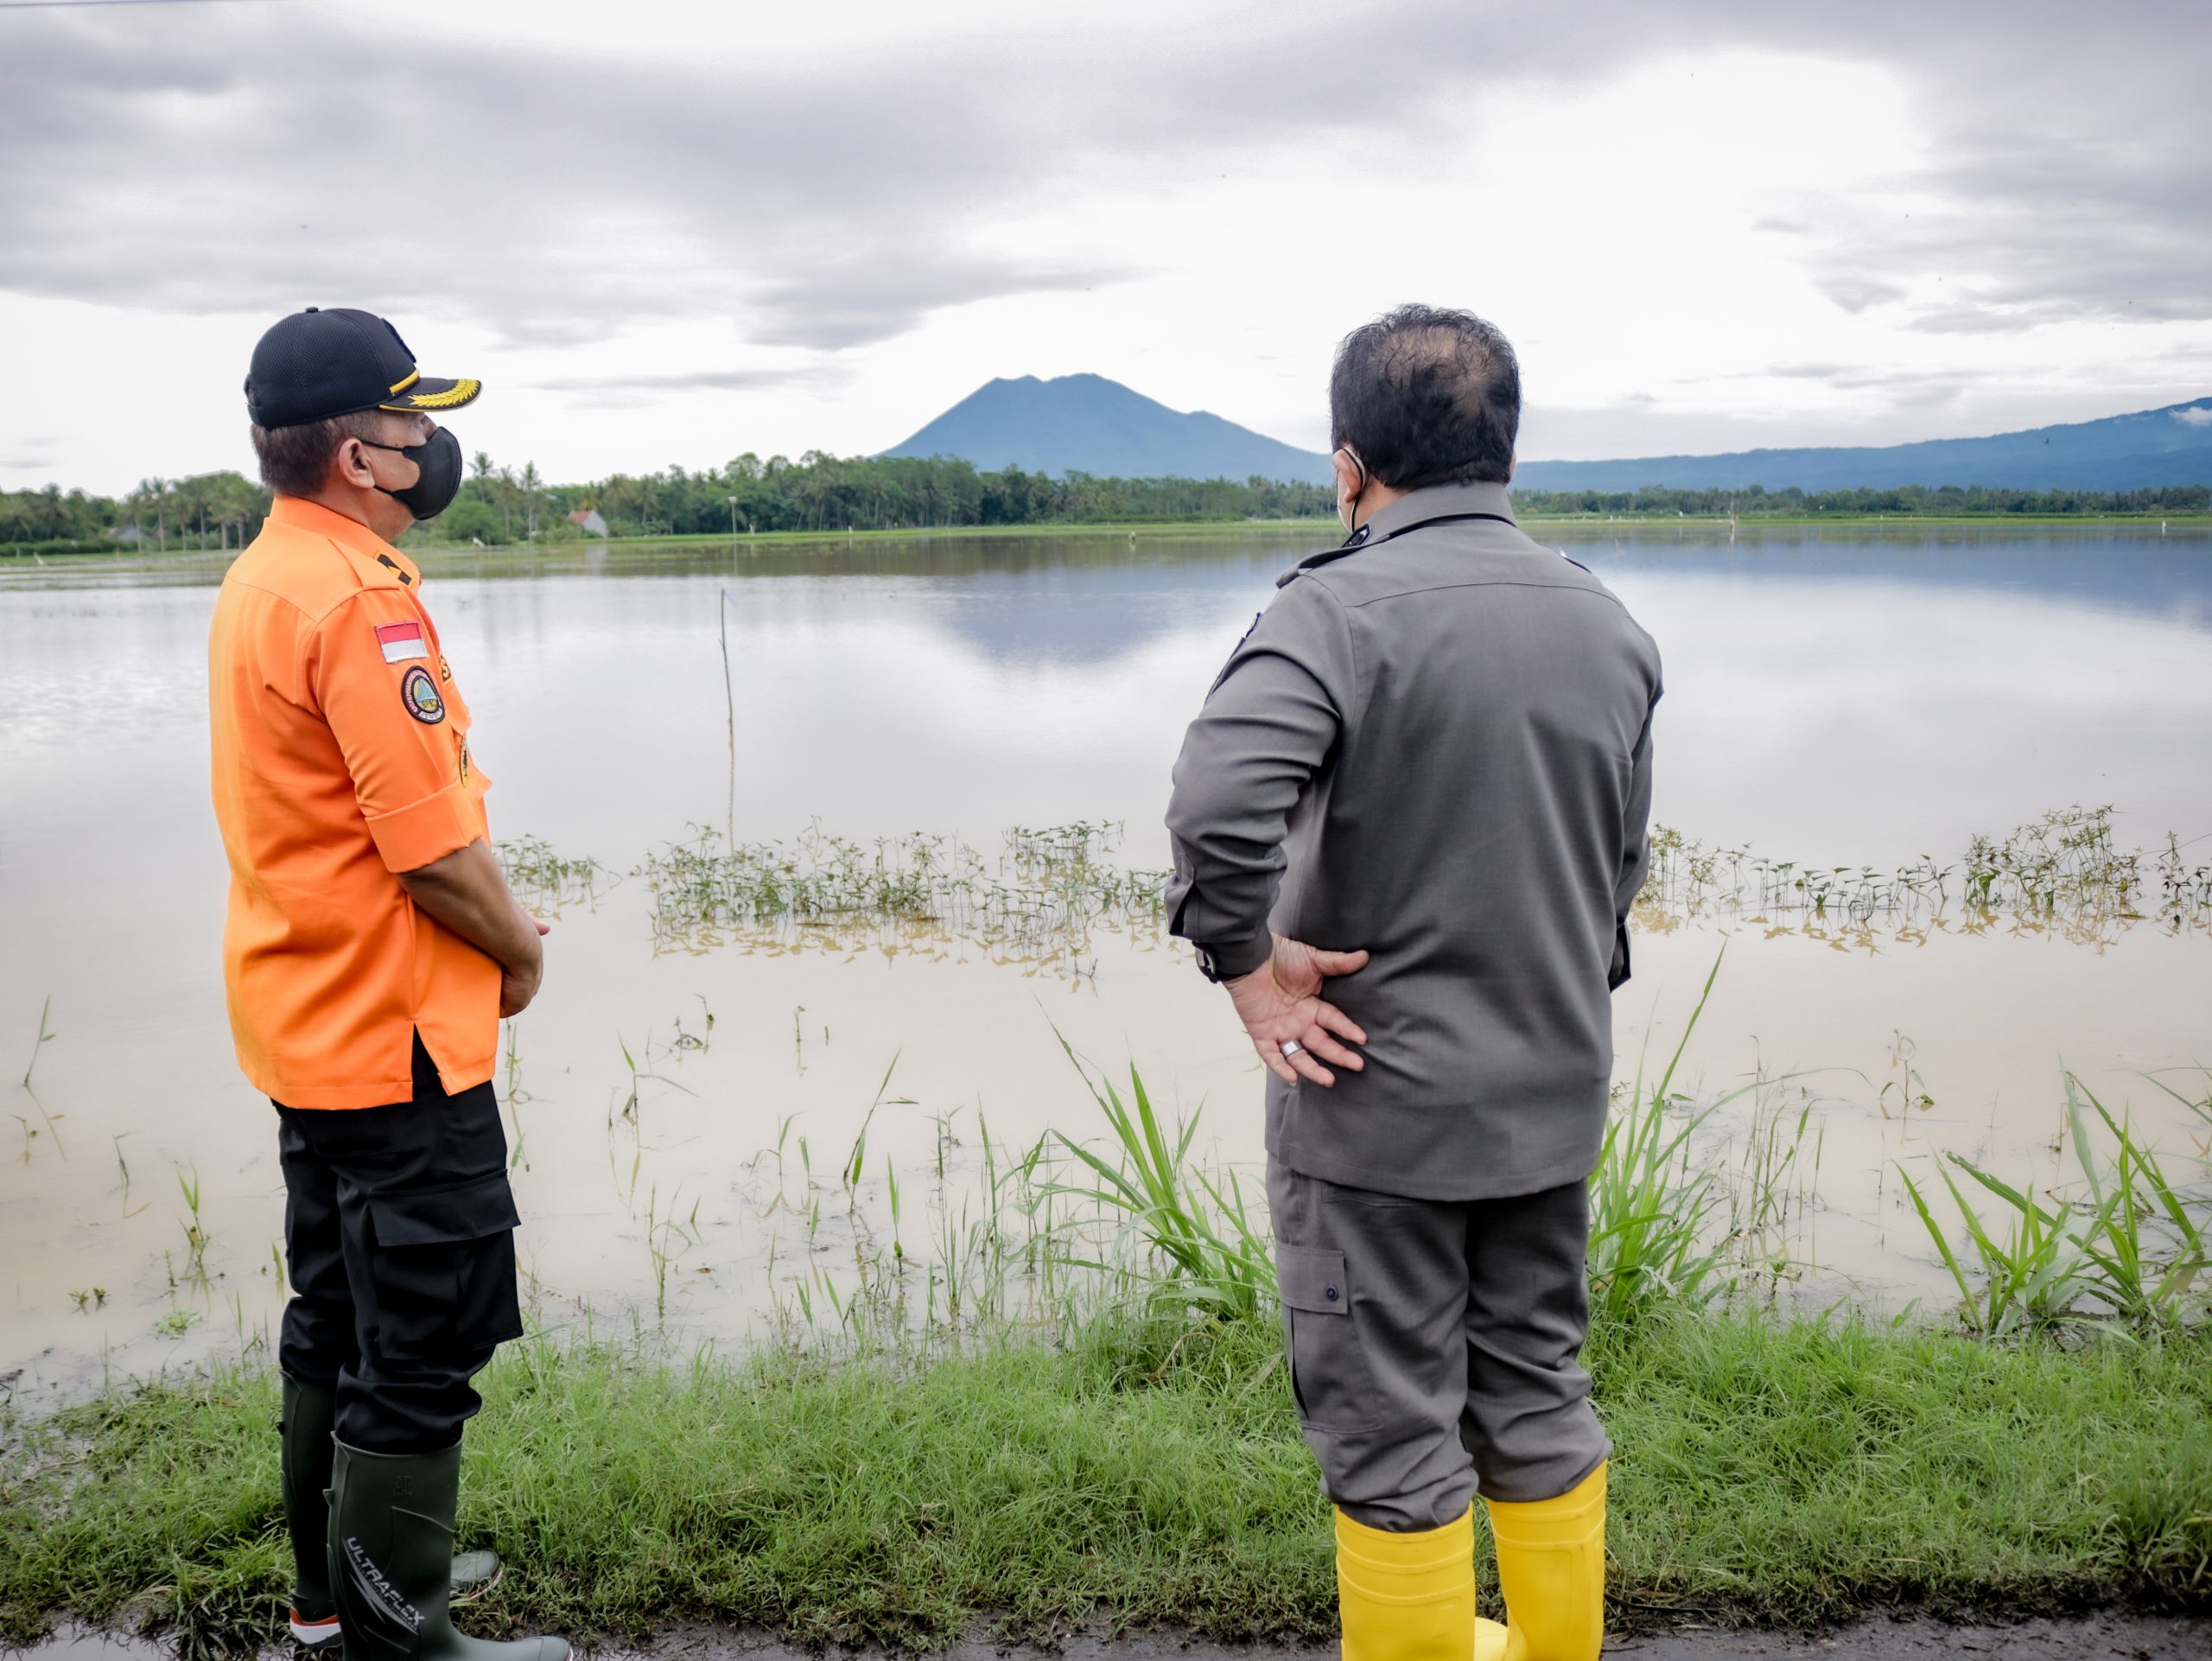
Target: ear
(1350, 477)
(350, 462)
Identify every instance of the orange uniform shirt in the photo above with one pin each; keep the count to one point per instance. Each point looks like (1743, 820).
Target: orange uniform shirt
(341, 757)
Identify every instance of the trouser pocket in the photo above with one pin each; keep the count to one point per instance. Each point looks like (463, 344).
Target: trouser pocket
(1331, 1373)
(441, 1272)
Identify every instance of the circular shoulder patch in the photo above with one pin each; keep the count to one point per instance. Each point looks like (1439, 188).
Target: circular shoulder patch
(420, 694)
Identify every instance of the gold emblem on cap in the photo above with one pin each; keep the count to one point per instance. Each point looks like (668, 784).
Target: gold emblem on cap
(463, 392)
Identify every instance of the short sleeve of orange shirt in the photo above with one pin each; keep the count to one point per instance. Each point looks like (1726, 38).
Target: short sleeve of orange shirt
(339, 757)
(372, 671)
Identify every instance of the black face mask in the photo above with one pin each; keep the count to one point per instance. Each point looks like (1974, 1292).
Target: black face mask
(437, 474)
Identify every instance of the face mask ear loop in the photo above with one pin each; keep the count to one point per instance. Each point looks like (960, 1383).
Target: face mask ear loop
(1351, 514)
(401, 450)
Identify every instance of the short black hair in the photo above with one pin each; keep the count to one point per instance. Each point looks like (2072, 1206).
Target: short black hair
(1427, 396)
(295, 459)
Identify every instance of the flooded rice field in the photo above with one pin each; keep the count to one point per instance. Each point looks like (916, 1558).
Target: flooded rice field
(759, 1077)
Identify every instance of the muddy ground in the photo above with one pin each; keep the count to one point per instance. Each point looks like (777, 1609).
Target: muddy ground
(2135, 1638)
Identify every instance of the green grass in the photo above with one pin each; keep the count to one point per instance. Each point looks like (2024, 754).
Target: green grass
(1071, 1408)
(1143, 1471)
(1800, 1472)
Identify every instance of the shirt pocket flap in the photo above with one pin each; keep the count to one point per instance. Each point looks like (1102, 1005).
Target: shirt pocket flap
(1311, 1278)
(470, 1212)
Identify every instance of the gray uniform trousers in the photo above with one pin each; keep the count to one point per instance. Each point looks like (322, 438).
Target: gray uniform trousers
(1434, 1346)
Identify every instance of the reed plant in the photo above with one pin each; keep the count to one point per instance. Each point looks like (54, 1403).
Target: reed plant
(195, 1227)
(2124, 1244)
(1653, 1203)
(1198, 1246)
(1699, 1202)
(1676, 1221)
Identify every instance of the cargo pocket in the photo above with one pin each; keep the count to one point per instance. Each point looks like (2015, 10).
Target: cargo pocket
(442, 1268)
(1330, 1373)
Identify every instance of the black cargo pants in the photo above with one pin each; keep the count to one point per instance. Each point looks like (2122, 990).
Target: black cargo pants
(399, 1239)
(1435, 1346)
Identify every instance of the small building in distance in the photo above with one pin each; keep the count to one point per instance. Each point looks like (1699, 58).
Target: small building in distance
(586, 519)
(130, 533)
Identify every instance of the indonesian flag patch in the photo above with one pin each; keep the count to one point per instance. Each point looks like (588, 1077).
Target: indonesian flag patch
(401, 641)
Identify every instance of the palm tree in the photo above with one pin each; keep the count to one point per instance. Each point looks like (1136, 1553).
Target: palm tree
(153, 493)
(532, 487)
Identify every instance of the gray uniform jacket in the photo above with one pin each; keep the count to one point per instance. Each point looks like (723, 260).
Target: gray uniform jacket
(1435, 746)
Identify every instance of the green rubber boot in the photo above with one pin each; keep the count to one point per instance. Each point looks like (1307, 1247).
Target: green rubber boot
(392, 1561)
(310, 1414)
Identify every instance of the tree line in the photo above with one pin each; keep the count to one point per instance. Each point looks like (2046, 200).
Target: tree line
(749, 496)
(746, 496)
(1931, 502)
(208, 510)
(818, 492)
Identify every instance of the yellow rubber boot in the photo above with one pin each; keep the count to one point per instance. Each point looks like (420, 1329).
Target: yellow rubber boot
(1407, 1597)
(1551, 1566)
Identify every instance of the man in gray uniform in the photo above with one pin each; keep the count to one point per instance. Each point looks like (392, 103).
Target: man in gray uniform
(1423, 781)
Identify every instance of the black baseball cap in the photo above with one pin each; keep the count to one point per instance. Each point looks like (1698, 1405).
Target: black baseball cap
(316, 364)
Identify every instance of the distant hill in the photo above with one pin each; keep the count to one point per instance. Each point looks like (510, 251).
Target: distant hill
(1086, 424)
(2172, 446)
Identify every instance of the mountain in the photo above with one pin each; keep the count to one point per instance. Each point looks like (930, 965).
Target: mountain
(1086, 424)
(2172, 446)
(1089, 424)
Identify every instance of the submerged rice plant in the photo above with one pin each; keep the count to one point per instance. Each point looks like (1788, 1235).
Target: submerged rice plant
(1038, 900)
(1037, 903)
(546, 880)
(2062, 873)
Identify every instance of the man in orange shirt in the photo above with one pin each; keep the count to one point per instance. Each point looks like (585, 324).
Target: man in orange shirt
(371, 949)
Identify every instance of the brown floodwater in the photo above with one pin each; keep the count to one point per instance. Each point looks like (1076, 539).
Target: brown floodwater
(1831, 700)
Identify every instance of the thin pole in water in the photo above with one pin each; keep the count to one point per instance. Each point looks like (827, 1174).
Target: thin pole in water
(729, 702)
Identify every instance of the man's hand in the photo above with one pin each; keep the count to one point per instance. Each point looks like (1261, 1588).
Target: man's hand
(518, 983)
(1280, 1004)
(466, 892)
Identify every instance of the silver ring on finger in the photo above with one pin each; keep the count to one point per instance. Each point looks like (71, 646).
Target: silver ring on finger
(1289, 1047)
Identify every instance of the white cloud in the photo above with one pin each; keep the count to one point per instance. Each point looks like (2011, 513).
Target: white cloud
(682, 232)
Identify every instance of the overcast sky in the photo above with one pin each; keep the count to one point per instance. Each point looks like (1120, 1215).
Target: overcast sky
(669, 233)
